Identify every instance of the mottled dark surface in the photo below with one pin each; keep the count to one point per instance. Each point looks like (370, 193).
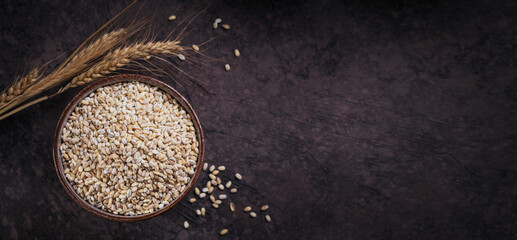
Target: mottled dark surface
(353, 120)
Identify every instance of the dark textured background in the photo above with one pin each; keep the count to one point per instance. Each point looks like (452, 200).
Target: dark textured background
(352, 119)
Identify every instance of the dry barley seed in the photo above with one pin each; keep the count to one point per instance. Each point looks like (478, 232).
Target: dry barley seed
(238, 176)
(192, 200)
(210, 190)
(247, 209)
(214, 182)
(264, 208)
(211, 176)
(195, 47)
(223, 232)
(203, 211)
(205, 166)
(219, 181)
(218, 202)
(218, 20)
(221, 168)
(215, 172)
(202, 195)
(268, 218)
(198, 212)
(253, 214)
(232, 207)
(181, 57)
(212, 198)
(227, 67)
(215, 205)
(237, 53)
(196, 190)
(222, 196)
(226, 26)
(212, 168)
(185, 224)
(204, 190)
(220, 186)
(172, 17)
(234, 190)
(214, 25)
(228, 184)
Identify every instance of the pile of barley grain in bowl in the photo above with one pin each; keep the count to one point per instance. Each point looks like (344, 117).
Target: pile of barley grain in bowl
(129, 148)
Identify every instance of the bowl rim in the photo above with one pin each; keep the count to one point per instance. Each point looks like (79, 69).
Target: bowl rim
(110, 81)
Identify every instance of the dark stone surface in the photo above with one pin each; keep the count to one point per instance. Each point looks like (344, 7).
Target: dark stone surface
(353, 120)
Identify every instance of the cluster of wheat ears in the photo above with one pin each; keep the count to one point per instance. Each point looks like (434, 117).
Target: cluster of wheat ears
(101, 54)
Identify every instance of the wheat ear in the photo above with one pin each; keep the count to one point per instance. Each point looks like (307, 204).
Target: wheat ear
(18, 87)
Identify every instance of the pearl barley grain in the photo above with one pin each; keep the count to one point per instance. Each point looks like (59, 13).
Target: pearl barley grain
(238, 176)
(111, 148)
(227, 67)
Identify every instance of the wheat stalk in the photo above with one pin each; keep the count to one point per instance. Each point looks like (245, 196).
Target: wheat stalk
(78, 62)
(109, 63)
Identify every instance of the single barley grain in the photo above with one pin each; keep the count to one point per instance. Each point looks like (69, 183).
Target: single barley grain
(205, 166)
(247, 209)
(192, 200)
(237, 53)
(212, 168)
(232, 207)
(222, 196)
(172, 17)
(202, 195)
(195, 47)
(215, 172)
(221, 168)
(253, 214)
(221, 187)
(196, 190)
(203, 211)
(185, 224)
(212, 198)
(226, 26)
(223, 232)
(238, 176)
(181, 57)
(218, 202)
(227, 67)
(198, 212)
(204, 189)
(234, 190)
(268, 218)
(215, 205)
(228, 184)
(264, 208)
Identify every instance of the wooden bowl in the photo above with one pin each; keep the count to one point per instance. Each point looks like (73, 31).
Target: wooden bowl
(108, 81)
